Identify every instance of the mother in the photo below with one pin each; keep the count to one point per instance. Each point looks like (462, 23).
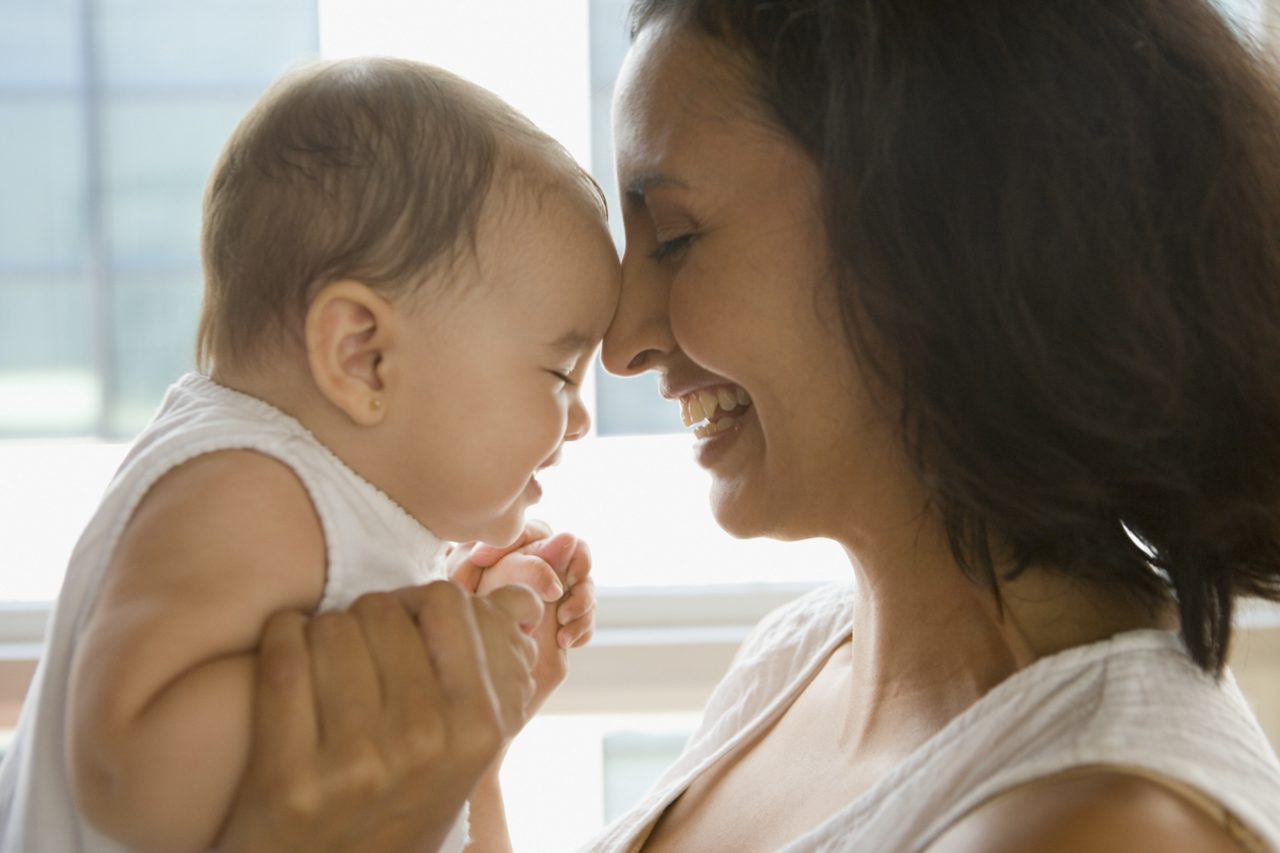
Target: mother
(1001, 281)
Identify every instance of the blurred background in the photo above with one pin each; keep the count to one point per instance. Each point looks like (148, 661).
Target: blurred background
(111, 115)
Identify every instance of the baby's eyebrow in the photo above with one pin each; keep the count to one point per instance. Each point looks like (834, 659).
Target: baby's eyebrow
(573, 341)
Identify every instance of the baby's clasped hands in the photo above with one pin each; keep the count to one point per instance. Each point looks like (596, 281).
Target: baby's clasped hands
(557, 568)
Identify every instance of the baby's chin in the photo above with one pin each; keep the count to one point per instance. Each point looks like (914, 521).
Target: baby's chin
(502, 532)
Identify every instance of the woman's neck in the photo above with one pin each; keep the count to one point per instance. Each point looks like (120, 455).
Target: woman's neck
(929, 641)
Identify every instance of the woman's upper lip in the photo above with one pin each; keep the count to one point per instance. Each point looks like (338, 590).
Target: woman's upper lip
(674, 389)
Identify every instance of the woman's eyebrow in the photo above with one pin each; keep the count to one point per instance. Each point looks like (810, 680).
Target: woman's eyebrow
(644, 181)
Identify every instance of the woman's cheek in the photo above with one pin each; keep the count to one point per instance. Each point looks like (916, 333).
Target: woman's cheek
(698, 312)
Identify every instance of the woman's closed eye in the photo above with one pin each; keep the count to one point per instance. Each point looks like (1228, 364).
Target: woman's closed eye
(563, 376)
(668, 250)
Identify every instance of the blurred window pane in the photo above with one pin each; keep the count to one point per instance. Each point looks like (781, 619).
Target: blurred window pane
(48, 385)
(632, 405)
(156, 156)
(42, 170)
(40, 43)
(623, 406)
(112, 113)
(633, 761)
(159, 44)
(154, 318)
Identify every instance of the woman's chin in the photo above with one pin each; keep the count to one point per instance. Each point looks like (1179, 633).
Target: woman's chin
(747, 513)
(738, 512)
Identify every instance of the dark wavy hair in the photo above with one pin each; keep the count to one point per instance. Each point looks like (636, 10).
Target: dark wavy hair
(1057, 231)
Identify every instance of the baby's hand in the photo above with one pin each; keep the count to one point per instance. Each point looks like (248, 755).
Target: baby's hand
(549, 565)
(472, 564)
(576, 611)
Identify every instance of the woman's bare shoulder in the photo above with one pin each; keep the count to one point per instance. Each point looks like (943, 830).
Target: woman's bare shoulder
(1100, 811)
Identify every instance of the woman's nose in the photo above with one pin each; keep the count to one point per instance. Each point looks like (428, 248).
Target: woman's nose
(640, 335)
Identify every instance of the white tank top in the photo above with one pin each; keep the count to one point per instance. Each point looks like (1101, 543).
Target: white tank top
(1135, 701)
(370, 544)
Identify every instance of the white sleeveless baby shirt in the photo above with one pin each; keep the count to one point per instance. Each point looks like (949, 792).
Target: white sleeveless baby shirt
(1135, 701)
(371, 544)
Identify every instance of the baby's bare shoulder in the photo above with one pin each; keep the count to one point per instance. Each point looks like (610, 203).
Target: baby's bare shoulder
(222, 540)
(164, 668)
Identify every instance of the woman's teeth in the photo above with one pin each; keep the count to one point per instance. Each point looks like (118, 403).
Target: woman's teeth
(718, 426)
(702, 406)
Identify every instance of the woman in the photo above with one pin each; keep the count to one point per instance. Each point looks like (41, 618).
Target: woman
(1001, 281)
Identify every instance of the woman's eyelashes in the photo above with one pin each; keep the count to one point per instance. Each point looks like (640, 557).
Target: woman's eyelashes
(669, 250)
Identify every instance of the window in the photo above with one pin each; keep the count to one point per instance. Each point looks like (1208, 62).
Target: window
(113, 114)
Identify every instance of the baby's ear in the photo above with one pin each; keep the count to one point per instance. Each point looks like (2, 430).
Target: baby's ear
(347, 330)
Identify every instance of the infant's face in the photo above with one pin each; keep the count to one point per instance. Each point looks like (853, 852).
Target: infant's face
(495, 364)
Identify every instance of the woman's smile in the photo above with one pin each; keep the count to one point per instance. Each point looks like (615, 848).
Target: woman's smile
(713, 409)
(716, 439)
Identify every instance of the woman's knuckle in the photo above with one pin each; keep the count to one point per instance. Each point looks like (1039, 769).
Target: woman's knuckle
(282, 666)
(374, 604)
(443, 592)
(328, 625)
(364, 774)
(421, 745)
(301, 801)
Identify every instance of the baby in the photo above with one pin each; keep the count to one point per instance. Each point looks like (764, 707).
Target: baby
(405, 281)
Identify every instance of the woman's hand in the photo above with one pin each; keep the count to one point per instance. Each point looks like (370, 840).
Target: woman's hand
(372, 726)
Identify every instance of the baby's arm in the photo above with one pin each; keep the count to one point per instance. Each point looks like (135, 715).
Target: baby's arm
(161, 690)
(559, 568)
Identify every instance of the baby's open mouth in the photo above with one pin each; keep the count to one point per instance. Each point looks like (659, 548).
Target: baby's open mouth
(714, 410)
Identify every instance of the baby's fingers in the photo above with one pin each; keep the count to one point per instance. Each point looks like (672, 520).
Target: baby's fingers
(526, 569)
(577, 615)
(577, 633)
(559, 551)
(579, 566)
(580, 602)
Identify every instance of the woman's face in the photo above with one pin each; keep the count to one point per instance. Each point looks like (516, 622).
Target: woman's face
(727, 294)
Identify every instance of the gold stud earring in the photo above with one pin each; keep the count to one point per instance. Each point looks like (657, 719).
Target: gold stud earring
(375, 405)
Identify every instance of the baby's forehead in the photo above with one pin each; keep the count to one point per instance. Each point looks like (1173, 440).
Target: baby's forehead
(557, 207)
(554, 237)
(546, 175)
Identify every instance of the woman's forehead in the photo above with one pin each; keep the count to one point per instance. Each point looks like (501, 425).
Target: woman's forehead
(679, 90)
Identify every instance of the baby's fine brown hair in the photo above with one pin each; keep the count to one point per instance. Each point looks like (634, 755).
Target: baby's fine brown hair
(372, 169)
